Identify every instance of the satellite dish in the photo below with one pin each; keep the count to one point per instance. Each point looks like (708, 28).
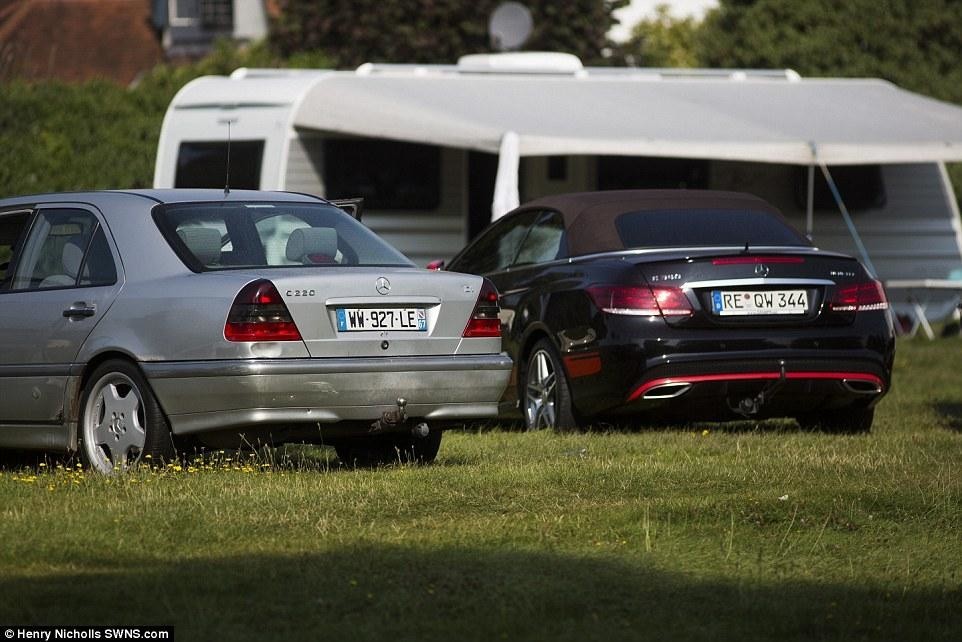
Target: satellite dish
(509, 26)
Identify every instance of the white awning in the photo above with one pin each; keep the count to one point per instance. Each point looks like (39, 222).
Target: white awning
(737, 117)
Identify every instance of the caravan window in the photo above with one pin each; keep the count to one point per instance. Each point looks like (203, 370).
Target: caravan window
(861, 187)
(641, 172)
(204, 164)
(387, 174)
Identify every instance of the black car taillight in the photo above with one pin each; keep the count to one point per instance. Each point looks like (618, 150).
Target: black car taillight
(641, 300)
(860, 297)
(259, 314)
(484, 321)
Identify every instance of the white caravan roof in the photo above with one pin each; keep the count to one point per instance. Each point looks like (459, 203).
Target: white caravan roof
(555, 106)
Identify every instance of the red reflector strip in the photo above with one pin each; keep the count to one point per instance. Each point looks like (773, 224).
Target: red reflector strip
(262, 331)
(479, 327)
(754, 260)
(757, 376)
(582, 365)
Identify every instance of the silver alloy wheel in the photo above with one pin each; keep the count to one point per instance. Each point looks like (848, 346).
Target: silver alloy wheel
(540, 400)
(113, 423)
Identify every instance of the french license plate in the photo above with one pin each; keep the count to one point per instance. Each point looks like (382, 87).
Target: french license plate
(361, 319)
(747, 303)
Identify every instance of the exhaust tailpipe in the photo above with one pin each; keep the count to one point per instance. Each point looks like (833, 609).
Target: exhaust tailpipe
(667, 390)
(862, 387)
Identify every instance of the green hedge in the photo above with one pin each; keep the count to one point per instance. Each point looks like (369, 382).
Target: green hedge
(98, 135)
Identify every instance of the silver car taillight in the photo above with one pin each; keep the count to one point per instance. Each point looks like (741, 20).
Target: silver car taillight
(484, 321)
(260, 314)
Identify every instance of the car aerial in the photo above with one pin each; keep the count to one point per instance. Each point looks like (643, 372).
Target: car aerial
(133, 322)
(680, 305)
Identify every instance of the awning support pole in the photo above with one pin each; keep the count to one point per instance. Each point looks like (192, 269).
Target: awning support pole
(845, 215)
(506, 196)
(810, 207)
(848, 220)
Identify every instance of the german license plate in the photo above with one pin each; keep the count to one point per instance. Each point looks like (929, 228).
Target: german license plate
(747, 303)
(361, 319)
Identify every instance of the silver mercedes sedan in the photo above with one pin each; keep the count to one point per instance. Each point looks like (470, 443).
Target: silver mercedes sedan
(135, 322)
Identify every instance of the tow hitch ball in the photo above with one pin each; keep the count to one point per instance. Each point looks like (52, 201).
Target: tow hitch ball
(749, 406)
(394, 418)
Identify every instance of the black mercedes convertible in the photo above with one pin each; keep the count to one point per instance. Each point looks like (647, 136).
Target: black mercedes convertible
(680, 305)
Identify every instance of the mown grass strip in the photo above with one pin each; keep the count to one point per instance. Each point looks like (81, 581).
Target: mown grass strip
(688, 532)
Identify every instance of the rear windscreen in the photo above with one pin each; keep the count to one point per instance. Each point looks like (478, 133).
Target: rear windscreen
(218, 236)
(705, 227)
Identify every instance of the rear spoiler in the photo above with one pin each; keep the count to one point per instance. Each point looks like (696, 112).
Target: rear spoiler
(353, 206)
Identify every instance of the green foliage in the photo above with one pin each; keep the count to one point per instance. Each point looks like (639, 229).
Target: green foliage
(97, 135)
(60, 137)
(663, 41)
(913, 43)
(352, 32)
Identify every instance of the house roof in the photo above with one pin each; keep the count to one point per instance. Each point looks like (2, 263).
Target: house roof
(77, 40)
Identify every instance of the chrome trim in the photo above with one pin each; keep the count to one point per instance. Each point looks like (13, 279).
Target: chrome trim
(352, 365)
(366, 301)
(728, 283)
(704, 249)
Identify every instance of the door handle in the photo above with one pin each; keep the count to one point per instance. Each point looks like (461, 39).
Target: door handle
(80, 309)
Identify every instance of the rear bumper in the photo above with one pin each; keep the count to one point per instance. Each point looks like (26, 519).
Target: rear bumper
(201, 396)
(711, 385)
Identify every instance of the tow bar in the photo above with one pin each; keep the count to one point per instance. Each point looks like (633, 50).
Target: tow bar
(749, 406)
(391, 418)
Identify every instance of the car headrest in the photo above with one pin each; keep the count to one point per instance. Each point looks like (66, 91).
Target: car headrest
(312, 245)
(203, 242)
(72, 257)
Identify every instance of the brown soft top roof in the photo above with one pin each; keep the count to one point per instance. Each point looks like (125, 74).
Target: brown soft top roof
(589, 217)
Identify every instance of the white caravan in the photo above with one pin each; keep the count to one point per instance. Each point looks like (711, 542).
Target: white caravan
(437, 150)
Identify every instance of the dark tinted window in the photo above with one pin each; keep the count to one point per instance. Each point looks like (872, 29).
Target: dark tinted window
(205, 164)
(388, 175)
(98, 267)
(544, 241)
(217, 236)
(497, 247)
(13, 226)
(861, 187)
(704, 227)
(639, 172)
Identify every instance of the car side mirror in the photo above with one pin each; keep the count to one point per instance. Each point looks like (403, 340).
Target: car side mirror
(436, 264)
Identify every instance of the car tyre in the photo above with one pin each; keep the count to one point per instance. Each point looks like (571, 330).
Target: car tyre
(121, 423)
(369, 452)
(850, 421)
(546, 397)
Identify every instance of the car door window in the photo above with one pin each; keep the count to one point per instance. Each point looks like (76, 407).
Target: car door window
(544, 241)
(53, 255)
(496, 248)
(98, 265)
(13, 226)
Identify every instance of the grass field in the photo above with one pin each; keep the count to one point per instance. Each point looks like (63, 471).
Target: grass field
(732, 532)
